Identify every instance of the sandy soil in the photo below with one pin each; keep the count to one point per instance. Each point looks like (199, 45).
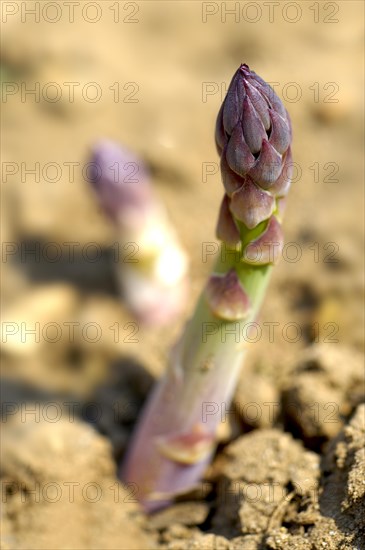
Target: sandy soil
(289, 472)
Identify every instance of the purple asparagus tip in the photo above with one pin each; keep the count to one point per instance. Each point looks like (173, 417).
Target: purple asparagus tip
(121, 182)
(253, 137)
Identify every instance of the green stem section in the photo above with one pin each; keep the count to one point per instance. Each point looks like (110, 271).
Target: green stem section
(177, 433)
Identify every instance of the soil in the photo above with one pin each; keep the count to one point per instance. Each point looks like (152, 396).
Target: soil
(290, 468)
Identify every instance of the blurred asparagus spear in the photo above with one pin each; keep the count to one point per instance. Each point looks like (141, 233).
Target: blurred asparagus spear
(153, 269)
(177, 433)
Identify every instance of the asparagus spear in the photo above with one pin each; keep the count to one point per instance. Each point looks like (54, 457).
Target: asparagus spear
(153, 269)
(176, 438)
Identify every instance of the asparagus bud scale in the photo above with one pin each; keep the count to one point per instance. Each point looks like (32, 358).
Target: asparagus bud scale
(175, 438)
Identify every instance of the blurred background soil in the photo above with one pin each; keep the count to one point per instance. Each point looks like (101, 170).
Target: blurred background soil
(289, 472)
